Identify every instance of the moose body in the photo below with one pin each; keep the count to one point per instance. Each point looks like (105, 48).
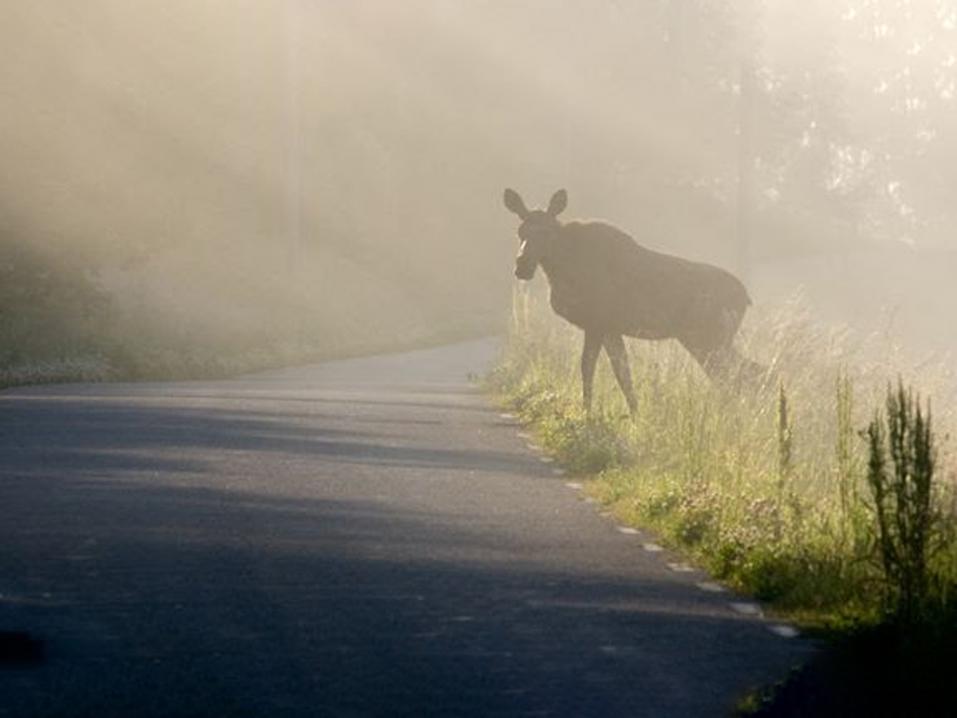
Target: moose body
(604, 282)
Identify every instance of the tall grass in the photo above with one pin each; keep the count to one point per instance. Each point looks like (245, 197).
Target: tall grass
(763, 483)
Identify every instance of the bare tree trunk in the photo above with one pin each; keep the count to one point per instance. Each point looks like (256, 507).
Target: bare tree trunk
(292, 125)
(747, 83)
(676, 38)
(745, 161)
(293, 136)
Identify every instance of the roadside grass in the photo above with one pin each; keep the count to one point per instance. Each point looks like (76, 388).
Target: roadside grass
(63, 318)
(85, 368)
(763, 484)
(131, 352)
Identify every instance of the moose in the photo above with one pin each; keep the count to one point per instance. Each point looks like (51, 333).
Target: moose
(604, 282)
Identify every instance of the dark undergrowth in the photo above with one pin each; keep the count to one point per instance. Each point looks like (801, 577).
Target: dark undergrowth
(892, 669)
(59, 322)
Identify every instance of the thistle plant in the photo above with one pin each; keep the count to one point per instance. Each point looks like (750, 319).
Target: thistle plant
(846, 462)
(785, 439)
(900, 474)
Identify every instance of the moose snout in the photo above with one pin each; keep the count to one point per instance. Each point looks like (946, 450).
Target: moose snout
(525, 263)
(525, 267)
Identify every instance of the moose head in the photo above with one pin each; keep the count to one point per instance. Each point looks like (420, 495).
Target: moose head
(538, 229)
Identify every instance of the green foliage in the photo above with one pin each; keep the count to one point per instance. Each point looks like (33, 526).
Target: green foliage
(900, 475)
(61, 321)
(51, 308)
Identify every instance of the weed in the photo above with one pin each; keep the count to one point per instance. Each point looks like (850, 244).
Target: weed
(902, 491)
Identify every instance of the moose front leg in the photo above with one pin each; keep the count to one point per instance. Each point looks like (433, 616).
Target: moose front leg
(590, 354)
(615, 347)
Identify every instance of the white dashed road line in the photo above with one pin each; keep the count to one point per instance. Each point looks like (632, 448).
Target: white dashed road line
(784, 631)
(746, 608)
(742, 607)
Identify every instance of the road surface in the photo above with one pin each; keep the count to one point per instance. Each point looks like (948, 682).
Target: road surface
(356, 538)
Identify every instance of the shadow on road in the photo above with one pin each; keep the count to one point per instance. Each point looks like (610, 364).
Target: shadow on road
(171, 601)
(91, 436)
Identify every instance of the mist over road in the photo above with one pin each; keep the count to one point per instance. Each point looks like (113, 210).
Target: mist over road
(357, 538)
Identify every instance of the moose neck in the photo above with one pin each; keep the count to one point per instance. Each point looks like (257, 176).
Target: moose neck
(548, 266)
(556, 263)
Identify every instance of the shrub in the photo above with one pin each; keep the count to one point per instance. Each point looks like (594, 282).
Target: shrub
(902, 491)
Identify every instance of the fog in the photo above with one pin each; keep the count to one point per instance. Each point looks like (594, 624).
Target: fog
(331, 171)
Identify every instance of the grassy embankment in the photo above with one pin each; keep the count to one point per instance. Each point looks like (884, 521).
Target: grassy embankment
(127, 354)
(766, 486)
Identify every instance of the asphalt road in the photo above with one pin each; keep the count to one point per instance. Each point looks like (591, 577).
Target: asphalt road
(358, 538)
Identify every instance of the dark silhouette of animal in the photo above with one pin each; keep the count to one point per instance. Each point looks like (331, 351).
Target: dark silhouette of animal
(604, 282)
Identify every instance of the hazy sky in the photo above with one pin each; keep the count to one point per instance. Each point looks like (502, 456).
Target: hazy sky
(230, 160)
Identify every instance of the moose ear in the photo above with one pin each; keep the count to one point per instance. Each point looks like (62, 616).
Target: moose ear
(558, 203)
(515, 203)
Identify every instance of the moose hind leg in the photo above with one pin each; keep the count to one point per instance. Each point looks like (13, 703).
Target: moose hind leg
(726, 365)
(615, 347)
(712, 359)
(590, 354)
